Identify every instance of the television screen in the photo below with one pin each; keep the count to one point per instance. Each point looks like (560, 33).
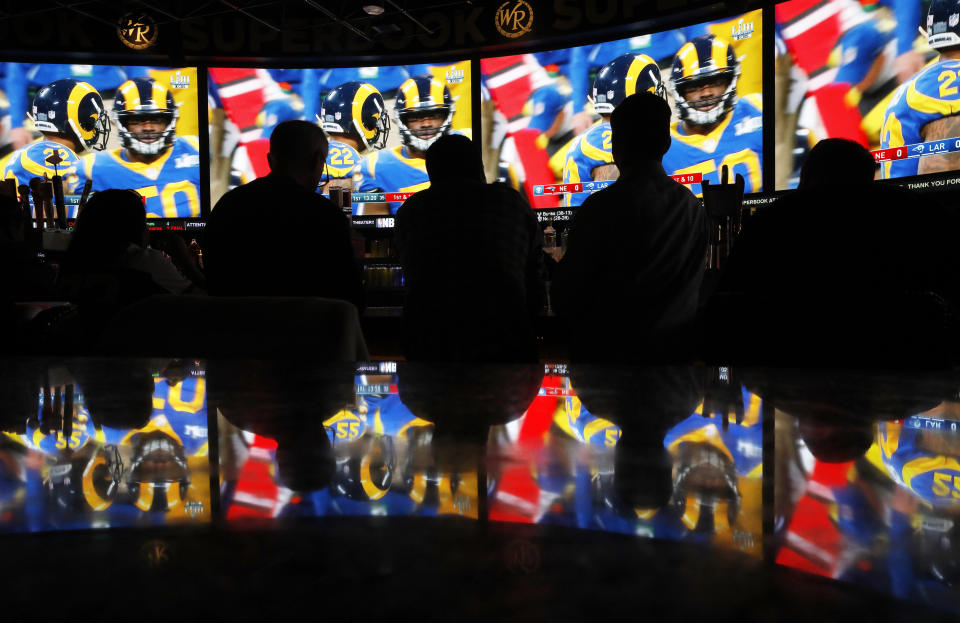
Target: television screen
(80, 462)
(866, 72)
(116, 126)
(546, 115)
(573, 468)
(379, 120)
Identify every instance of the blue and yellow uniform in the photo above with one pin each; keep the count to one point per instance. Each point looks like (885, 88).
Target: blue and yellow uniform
(391, 170)
(933, 477)
(31, 161)
(342, 159)
(170, 184)
(587, 152)
(931, 94)
(736, 142)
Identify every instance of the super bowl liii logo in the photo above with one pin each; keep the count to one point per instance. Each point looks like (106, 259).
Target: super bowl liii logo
(455, 76)
(179, 81)
(742, 30)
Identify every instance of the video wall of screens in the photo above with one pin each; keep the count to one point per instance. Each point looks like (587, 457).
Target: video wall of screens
(545, 118)
(865, 72)
(116, 126)
(380, 121)
(113, 446)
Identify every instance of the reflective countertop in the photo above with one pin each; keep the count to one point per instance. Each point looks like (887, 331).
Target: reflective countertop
(479, 491)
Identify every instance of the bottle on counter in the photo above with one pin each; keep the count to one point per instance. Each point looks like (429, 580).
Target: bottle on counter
(549, 236)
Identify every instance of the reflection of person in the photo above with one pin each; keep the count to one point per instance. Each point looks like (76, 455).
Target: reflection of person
(494, 290)
(926, 107)
(551, 114)
(162, 167)
(241, 261)
(589, 157)
(423, 112)
(630, 292)
(72, 118)
(355, 119)
(715, 128)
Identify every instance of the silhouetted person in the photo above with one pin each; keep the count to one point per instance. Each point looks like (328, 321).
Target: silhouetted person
(629, 281)
(276, 236)
(844, 271)
(22, 274)
(471, 253)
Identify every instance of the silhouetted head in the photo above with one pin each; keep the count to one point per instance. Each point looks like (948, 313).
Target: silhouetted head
(454, 156)
(298, 149)
(11, 220)
(835, 161)
(111, 221)
(641, 129)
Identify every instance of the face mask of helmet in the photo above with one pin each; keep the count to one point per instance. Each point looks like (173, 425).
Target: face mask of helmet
(710, 109)
(423, 137)
(151, 142)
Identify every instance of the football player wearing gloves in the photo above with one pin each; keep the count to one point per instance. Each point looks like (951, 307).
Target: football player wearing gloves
(926, 107)
(715, 128)
(154, 161)
(71, 116)
(423, 113)
(589, 157)
(355, 119)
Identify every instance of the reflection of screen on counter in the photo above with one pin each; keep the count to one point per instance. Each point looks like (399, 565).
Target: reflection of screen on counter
(547, 114)
(380, 121)
(862, 72)
(119, 127)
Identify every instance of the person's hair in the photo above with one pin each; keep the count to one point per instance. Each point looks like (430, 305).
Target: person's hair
(11, 218)
(837, 161)
(295, 143)
(454, 156)
(111, 221)
(641, 128)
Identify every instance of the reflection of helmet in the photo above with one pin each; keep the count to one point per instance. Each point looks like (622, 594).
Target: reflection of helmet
(367, 471)
(622, 77)
(705, 59)
(713, 502)
(158, 477)
(356, 108)
(277, 111)
(416, 97)
(943, 27)
(88, 480)
(74, 109)
(142, 99)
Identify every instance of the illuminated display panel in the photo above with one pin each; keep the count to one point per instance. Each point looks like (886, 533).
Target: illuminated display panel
(565, 470)
(159, 156)
(376, 149)
(866, 72)
(885, 520)
(547, 137)
(98, 471)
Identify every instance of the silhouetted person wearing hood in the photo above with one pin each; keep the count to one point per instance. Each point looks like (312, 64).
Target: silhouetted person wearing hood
(629, 282)
(471, 253)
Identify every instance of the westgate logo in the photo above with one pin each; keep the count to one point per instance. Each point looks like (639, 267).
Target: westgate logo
(514, 18)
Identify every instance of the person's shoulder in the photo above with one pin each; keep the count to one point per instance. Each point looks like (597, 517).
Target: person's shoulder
(190, 144)
(752, 103)
(928, 81)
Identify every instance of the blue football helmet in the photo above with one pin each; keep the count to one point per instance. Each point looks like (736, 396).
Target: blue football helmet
(87, 480)
(159, 477)
(622, 77)
(943, 24)
(74, 109)
(422, 96)
(365, 468)
(704, 60)
(356, 108)
(143, 99)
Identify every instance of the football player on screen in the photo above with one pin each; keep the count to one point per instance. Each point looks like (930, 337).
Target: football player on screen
(589, 157)
(925, 108)
(423, 113)
(71, 116)
(355, 119)
(163, 168)
(715, 129)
